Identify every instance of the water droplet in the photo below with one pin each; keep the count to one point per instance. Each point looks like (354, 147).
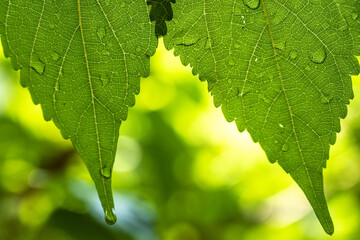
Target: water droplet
(138, 49)
(281, 45)
(229, 81)
(318, 56)
(285, 148)
(271, 76)
(106, 172)
(101, 33)
(252, 4)
(308, 68)
(105, 52)
(342, 25)
(122, 5)
(325, 25)
(256, 60)
(38, 66)
(276, 141)
(231, 62)
(110, 216)
(55, 56)
(52, 26)
(280, 125)
(354, 15)
(105, 79)
(208, 43)
(293, 55)
(326, 99)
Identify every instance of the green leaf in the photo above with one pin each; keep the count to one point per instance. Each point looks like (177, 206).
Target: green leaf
(161, 11)
(279, 69)
(82, 61)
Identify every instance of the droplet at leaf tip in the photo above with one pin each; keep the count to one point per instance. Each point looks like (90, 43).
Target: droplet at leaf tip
(110, 216)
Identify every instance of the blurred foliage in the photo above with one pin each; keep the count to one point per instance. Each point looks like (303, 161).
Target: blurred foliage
(181, 173)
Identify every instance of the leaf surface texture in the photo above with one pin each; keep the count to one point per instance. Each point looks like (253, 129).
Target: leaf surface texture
(82, 61)
(279, 69)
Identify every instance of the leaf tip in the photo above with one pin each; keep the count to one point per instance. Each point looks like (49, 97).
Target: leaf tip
(110, 216)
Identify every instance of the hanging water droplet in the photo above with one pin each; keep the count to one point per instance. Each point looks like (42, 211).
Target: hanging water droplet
(110, 216)
(38, 66)
(252, 4)
(55, 56)
(138, 49)
(231, 62)
(317, 56)
(285, 148)
(101, 32)
(106, 172)
(354, 15)
(293, 55)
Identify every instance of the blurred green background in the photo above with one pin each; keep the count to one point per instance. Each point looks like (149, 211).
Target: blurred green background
(181, 172)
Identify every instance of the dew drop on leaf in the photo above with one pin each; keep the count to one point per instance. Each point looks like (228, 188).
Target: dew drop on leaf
(271, 76)
(208, 43)
(325, 25)
(317, 56)
(105, 79)
(138, 49)
(285, 148)
(38, 66)
(326, 99)
(55, 56)
(52, 26)
(106, 172)
(354, 15)
(101, 33)
(122, 5)
(231, 62)
(281, 45)
(110, 216)
(252, 4)
(293, 55)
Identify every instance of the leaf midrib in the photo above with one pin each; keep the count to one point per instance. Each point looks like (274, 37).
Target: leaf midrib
(92, 102)
(289, 107)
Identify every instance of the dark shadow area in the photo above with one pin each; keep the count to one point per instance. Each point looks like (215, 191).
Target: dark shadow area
(161, 11)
